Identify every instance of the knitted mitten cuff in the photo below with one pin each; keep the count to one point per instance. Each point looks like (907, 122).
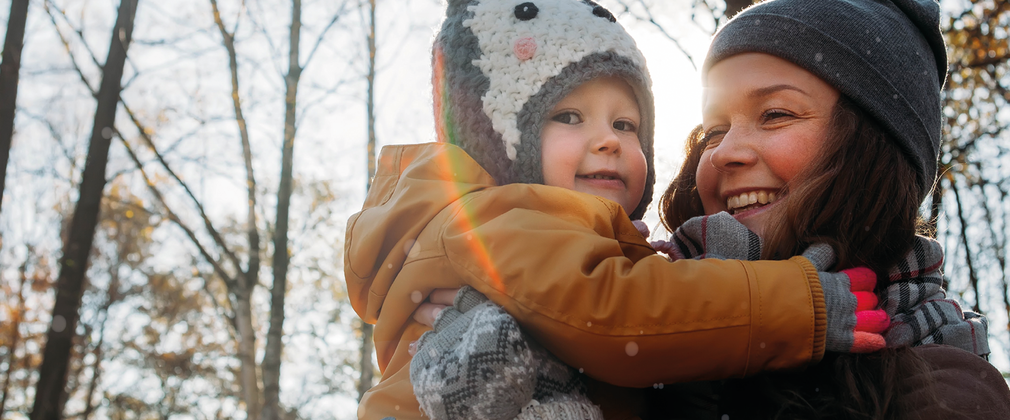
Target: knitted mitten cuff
(474, 364)
(577, 408)
(821, 255)
(718, 236)
(854, 323)
(560, 391)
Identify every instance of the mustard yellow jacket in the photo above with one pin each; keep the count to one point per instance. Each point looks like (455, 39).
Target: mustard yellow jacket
(575, 273)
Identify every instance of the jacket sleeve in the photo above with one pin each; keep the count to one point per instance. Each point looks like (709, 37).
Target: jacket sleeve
(576, 274)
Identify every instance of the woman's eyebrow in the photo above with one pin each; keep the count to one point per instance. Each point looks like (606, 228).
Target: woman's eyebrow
(765, 91)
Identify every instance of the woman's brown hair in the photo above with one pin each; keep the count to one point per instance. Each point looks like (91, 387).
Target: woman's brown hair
(681, 201)
(861, 197)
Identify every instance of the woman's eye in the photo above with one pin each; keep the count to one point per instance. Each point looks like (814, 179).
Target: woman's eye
(775, 114)
(712, 138)
(625, 126)
(567, 118)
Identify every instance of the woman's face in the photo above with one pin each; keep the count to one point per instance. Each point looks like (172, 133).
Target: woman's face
(765, 120)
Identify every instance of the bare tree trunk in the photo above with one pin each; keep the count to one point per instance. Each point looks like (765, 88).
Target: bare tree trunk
(1005, 288)
(371, 94)
(15, 337)
(96, 374)
(367, 347)
(111, 297)
(272, 357)
(247, 281)
(972, 277)
(9, 73)
(50, 391)
(247, 349)
(999, 245)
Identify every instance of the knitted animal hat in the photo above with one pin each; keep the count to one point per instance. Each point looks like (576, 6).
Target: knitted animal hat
(499, 66)
(886, 55)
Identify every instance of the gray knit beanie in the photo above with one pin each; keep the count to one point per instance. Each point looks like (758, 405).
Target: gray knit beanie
(499, 66)
(888, 56)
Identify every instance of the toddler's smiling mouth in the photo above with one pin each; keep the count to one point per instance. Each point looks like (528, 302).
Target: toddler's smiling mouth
(600, 176)
(601, 181)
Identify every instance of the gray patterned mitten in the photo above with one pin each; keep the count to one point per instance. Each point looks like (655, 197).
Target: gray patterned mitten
(478, 364)
(560, 392)
(475, 364)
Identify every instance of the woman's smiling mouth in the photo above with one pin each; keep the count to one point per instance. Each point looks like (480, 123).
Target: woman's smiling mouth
(750, 200)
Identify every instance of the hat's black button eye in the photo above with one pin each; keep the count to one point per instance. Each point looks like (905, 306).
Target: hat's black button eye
(526, 11)
(604, 13)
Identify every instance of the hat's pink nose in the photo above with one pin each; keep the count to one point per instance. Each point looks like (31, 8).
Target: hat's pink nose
(525, 48)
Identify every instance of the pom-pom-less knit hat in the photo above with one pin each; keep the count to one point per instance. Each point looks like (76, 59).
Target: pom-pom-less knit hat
(499, 66)
(888, 56)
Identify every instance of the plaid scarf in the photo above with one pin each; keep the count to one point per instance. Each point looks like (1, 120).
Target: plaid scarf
(915, 299)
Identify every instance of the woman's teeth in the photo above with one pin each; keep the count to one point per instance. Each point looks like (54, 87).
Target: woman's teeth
(599, 177)
(749, 200)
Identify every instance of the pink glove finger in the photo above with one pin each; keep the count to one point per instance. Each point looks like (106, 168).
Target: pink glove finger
(864, 342)
(662, 246)
(875, 321)
(865, 301)
(861, 279)
(642, 227)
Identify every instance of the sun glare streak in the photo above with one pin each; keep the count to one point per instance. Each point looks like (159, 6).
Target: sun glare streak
(476, 244)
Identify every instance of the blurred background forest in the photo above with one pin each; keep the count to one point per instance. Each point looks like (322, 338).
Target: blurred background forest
(166, 251)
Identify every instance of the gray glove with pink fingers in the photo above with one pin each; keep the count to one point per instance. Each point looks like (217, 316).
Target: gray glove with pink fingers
(855, 323)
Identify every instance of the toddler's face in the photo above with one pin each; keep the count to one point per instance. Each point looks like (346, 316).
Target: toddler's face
(590, 143)
(765, 120)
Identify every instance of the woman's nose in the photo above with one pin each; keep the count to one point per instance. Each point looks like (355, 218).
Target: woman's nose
(734, 151)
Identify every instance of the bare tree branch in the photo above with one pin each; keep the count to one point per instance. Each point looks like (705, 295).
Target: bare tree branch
(652, 20)
(70, 51)
(218, 239)
(322, 34)
(218, 268)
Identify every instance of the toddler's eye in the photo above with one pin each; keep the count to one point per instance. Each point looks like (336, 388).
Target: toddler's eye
(567, 118)
(625, 126)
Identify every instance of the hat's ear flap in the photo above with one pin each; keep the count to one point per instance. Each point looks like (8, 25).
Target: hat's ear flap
(457, 6)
